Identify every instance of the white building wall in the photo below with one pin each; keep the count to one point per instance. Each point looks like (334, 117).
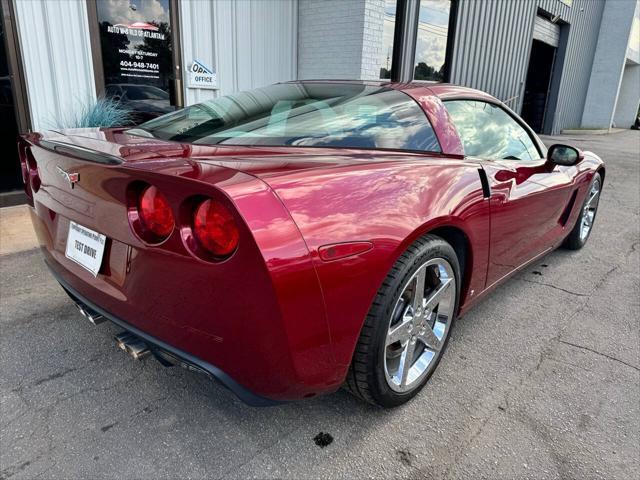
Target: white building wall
(339, 39)
(608, 64)
(633, 47)
(56, 52)
(372, 39)
(628, 97)
(198, 43)
(629, 94)
(250, 43)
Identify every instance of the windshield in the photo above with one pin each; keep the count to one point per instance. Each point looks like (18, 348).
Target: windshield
(302, 115)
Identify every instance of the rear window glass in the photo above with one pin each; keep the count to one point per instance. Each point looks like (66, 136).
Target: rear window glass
(302, 115)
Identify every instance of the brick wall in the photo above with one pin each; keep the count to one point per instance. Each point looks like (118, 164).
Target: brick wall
(372, 39)
(339, 38)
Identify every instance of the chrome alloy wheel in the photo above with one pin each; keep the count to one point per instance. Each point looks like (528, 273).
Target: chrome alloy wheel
(589, 210)
(419, 325)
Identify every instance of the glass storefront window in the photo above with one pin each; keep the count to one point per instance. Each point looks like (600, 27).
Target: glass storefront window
(431, 43)
(388, 29)
(137, 49)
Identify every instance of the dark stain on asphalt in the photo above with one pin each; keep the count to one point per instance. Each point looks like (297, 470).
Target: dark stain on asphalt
(405, 456)
(323, 439)
(108, 427)
(536, 272)
(583, 421)
(544, 265)
(53, 376)
(9, 472)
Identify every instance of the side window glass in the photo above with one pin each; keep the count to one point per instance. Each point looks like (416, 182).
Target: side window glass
(487, 131)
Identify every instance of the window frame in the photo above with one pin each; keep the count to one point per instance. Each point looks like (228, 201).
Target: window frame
(540, 147)
(451, 39)
(177, 98)
(405, 40)
(448, 53)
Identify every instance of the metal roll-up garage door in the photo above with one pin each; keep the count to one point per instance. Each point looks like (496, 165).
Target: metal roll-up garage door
(546, 32)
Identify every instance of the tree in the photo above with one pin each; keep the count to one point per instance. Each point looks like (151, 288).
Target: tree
(426, 72)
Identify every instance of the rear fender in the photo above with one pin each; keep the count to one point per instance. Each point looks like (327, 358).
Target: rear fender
(389, 204)
(475, 247)
(294, 280)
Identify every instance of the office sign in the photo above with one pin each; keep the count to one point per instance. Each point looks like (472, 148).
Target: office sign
(201, 76)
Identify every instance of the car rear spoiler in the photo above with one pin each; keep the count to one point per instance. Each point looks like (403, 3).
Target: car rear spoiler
(80, 152)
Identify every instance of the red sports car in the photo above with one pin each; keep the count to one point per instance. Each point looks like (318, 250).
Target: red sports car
(296, 238)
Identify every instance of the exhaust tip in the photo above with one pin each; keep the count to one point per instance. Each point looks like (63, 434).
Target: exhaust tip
(138, 350)
(96, 318)
(133, 345)
(92, 316)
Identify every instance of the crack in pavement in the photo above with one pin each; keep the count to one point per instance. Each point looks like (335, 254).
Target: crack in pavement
(47, 410)
(599, 353)
(544, 353)
(53, 376)
(259, 452)
(555, 287)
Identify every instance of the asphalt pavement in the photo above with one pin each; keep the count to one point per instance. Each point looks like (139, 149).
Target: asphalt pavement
(541, 380)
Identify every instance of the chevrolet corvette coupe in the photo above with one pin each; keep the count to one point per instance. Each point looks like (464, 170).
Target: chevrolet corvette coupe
(293, 239)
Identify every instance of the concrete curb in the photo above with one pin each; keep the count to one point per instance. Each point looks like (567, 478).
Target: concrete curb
(596, 131)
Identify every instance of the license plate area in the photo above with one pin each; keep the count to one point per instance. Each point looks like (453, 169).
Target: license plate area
(85, 247)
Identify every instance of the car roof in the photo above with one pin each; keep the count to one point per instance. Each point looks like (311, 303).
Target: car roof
(448, 91)
(444, 91)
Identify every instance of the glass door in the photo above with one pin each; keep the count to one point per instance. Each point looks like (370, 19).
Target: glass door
(137, 41)
(10, 176)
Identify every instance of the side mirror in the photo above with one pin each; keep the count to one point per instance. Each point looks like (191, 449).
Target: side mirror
(564, 155)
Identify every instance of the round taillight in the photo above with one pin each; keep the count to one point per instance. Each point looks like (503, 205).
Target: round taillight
(215, 228)
(155, 213)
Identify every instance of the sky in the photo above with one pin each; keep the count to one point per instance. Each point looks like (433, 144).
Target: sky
(432, 32)
(130, 11)
(126, 12)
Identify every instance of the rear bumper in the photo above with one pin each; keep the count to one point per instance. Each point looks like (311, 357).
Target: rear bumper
(240, 391)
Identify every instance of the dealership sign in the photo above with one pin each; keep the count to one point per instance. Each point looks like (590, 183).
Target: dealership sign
(201, 76)
(137, 29)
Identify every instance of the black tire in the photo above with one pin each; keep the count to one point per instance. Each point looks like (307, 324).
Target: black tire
(575, 241)
(366, 377)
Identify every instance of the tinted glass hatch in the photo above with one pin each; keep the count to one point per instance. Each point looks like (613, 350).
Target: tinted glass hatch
(302, 115)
